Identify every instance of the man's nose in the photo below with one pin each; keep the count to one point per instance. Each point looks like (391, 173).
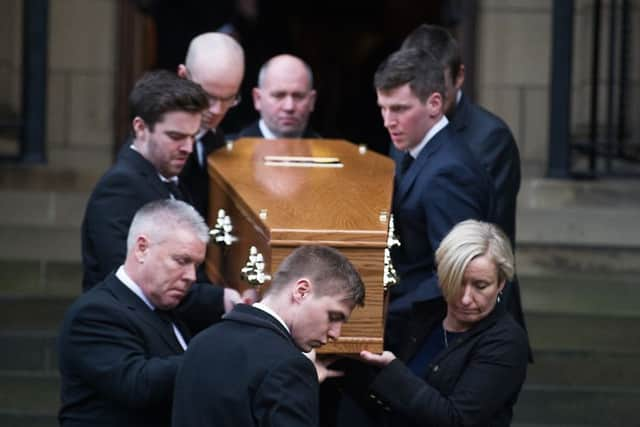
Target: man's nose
(334, 331)
(288, 103)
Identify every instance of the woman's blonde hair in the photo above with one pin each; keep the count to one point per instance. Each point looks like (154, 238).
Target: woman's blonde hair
(466, 241)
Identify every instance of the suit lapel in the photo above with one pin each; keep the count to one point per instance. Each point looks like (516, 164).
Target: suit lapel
(146, 170)
(143, 312)
(405, 182)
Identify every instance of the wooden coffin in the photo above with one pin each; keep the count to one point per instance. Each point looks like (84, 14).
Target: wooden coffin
(278, 208)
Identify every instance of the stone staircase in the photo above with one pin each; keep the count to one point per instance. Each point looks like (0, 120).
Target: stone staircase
(40, 274)
(579, 266)
(578, 261)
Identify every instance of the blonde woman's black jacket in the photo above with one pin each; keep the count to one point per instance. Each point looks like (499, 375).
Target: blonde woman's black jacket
(473, 382)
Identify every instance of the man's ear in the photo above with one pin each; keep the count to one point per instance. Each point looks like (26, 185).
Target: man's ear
(302, 289)
(141, 248)
(182, 71)
(139, 127)
(458, 80)
(435, 104)
(312, 99)
(257, 98)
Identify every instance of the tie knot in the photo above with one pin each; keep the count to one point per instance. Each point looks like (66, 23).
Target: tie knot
(407, 159)
(166, 315)
(174, 190)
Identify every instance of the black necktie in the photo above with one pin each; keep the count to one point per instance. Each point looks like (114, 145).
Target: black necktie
(169, 318)
(407, 159)
(174, 189)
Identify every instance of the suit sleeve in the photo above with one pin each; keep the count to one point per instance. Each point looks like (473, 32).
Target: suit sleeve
(492, 376)
(288, 395)
(502, 161)
(104, 348)
(202, 307)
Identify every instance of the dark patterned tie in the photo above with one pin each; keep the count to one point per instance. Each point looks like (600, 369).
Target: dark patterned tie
(174, 190)
(169, 318)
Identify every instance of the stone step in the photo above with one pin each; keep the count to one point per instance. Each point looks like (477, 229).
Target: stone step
(40, 243)
(30, 351)
(42, 208)
(36, 393)
(541, 259)
(577, 332)
(32, 314)
(47, 178)
(579, 213)
(584, 369)
(563, 406)
(26, 419)
(40, 278)
(571, 293)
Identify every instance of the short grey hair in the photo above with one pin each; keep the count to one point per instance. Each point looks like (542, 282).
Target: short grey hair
(467, 240)
(160, 218)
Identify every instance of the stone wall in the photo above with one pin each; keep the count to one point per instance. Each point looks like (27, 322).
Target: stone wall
(82, 65)
(514, 44)
(513, 72)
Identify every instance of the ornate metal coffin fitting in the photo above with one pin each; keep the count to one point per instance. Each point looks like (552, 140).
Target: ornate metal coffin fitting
(253, 271)
(390, 277)
(221, 231)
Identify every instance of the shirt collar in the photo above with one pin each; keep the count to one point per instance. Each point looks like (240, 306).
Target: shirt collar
(415, 151)
(122, 275)
(266, 132)
(269, 310)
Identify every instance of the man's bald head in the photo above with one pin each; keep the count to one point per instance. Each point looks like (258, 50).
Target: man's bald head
(285, 97)
(216, 62)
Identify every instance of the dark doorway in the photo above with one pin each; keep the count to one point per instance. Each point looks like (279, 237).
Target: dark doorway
(343, 41)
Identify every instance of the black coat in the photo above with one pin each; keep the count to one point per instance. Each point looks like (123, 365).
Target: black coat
(118, 359)
(474, 382)
(195, 177)
(245, 371)
(127, 186)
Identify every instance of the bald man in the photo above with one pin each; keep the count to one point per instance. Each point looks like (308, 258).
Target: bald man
(216, 62)
(284, 98)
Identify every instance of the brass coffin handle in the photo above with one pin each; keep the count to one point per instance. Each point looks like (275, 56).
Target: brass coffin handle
(253, 272)
(221, 231)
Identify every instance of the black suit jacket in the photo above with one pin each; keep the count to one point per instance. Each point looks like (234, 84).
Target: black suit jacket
(490, 139)
(195, 177)
(118, 359)
(128, 185)
(443, 186)
(253, 130)
(245, 371)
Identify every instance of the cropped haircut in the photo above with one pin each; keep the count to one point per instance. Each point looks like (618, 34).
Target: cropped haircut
(330, 272)
(416, 67)
(439, 43)
(467, 240)
(160, 218)
(160, 92)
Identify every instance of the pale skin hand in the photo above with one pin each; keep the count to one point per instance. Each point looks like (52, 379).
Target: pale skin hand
(322, 366)
(375, 359)
(233, 297)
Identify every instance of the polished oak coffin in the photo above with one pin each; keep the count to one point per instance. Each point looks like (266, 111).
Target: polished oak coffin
(278, 208)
